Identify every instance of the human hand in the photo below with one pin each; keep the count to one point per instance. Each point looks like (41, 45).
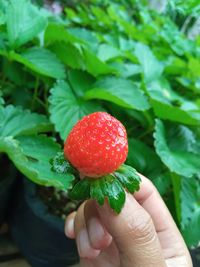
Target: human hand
(142, 235)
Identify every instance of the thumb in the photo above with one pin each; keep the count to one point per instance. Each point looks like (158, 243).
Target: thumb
(134, 235)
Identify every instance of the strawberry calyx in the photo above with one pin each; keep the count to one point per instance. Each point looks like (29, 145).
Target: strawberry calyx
(111, 187)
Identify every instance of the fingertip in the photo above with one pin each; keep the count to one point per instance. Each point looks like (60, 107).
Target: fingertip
(69, 226)
(98, 236)
(84, 247)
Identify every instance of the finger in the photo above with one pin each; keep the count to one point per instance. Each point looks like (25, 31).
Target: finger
(151, 201)
(134, 234)
(82, 239)
(169, 236)
(98, 236)
(69, 225)
(108, 257)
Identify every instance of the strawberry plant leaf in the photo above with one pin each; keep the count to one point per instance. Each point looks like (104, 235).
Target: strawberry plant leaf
(24, 22)
(128, 177)
(86, 36)
(81, 190)
(15, 121)
(80, 81)
(58, 33)
(94, 65)
(38, 151)
(69, 55)
(152, 68)
(31, 155)
(189, 198)
(107, 52)
(191, 231)
(120, 91)
(66, 109)
(40, 60)
(126, 70)
(167, 104)
(138, 156)
(182, 156)
(1, 100)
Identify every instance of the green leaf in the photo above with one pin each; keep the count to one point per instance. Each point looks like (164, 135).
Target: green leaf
(81, 190)
(31, 155)
(152, 68)
(69, 54)
(80, 81)
(15, 121)
(128, 177)
(108, 187)
(126, 69)
(86, 36)
(194, 67)
(167, 104)
(24, 22)
(40, 60)
(180, 155)
(1, 100)
(187, 197)
(66, 109)
(119, 91)
(107, 52)
(58, 33)
(188, 200)
(138, 156)
(163, 183)
(94, 65)
(191, 233)
(176, 183)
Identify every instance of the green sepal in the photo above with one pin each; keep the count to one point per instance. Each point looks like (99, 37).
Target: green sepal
(96, 191)
(108, 187)
(61, 165)
(128, 177)
(81, 190)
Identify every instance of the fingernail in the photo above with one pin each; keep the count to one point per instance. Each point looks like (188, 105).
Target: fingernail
(83, 242)
(69, 227)
(95, 230)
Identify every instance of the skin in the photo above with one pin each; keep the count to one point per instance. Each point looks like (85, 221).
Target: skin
(142, 235)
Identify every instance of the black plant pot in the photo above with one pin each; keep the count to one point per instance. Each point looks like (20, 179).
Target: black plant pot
(40, 235)
(6, 186)
(195, 254)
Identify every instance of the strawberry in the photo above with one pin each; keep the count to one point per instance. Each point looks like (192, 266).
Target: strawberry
(97, 145)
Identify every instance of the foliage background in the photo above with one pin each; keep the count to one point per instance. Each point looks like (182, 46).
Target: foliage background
(120, 56)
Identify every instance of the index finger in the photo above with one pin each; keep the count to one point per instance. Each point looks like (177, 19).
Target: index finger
(168, 233)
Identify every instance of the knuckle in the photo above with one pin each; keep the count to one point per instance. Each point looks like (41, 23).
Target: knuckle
(141, 227)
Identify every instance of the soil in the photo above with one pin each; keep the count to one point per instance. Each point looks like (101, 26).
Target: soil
(57, 201)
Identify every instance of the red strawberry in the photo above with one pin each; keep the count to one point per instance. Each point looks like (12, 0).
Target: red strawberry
(97, 145)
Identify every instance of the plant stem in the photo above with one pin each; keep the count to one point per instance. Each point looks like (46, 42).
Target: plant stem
(148, 118)
(186, 23)
(35, 93)
(149, 130)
